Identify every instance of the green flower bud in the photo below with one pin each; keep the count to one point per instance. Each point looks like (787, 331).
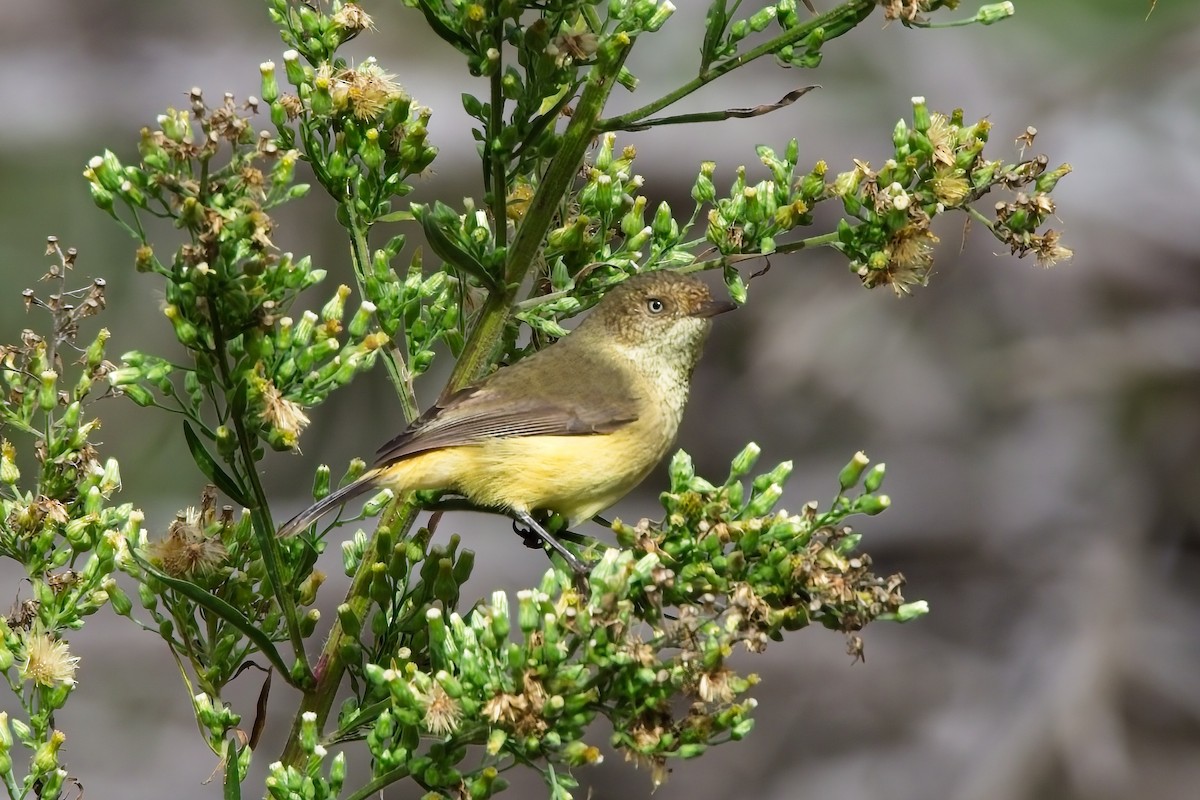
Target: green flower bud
(132, 194)
(106, 169)
(681, 471)
(350, 621)
(22, 730)
(185, 332)
(45, 758)
(763, 501)
(908, 612)
(308, 623)
(305, 329)
(872, 504)
(527, 612)
(994, 12)
(47, 392)
(269, 90)
(921, 118)
(662, 13)
(337, 774)
(139, 395)
(874, 478)
(117, 598)
(321, 100)
(361, 321)
(1048, 180)
(102, 197)
(851, 473)
(744, 461)
(372, 507)
(370, 151)
(664, 225)
(227, 443)
(292, 68)
(147, 597)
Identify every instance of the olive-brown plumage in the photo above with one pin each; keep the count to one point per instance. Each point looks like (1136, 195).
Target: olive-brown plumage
(571, 428)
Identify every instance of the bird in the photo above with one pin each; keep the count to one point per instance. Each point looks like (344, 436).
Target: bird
(570, 429)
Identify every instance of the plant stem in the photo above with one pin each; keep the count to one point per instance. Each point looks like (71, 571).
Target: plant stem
(264, 528)
(834, 23)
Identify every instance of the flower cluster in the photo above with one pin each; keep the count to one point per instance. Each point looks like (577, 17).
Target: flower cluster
(938, 166)
(57, 516)
(228, 291)
(648, 647)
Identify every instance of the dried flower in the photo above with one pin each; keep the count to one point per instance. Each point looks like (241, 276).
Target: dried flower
(1048, 251)
(187, 551)
(285, 416)
(352, 19)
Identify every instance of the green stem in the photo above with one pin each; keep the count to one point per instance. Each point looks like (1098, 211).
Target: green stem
(380, 783)
(976, 215)
(835, 22)
(480, 347)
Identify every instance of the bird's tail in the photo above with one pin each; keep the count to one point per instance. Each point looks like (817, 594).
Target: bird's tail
(308, 516)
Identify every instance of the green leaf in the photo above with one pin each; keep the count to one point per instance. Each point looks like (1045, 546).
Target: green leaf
(219, 607)
(397, 216)
(233, 782)
(212, 470)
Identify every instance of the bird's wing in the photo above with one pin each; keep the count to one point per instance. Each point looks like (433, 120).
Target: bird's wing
(471, 415)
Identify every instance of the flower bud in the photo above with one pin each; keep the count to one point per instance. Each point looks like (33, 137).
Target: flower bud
(681, 471)
(664, 225)
(308, 623)
(269, 90)
(763, 501)
(994, 12)
(851, 473)
(292, 68)
(744, 461)
(921, 118)
(370, 150)
(872, 504)
(874, 478)
(45, 758)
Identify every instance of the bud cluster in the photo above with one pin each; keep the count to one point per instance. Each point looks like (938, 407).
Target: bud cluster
(752, 217)
(723, 34)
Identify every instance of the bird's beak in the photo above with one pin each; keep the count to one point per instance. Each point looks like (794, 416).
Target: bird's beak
(712, 308)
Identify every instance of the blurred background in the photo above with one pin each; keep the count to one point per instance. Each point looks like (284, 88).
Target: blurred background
(1041, 428)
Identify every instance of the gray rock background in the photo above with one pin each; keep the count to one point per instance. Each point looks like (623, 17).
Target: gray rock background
(1041, 428)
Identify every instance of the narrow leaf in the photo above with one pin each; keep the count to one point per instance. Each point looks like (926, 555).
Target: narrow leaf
(211, 469)
(219, 607)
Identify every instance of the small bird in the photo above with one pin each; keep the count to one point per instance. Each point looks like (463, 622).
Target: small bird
(570, 429)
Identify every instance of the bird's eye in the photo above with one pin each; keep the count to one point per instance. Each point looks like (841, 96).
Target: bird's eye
(655, 305)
